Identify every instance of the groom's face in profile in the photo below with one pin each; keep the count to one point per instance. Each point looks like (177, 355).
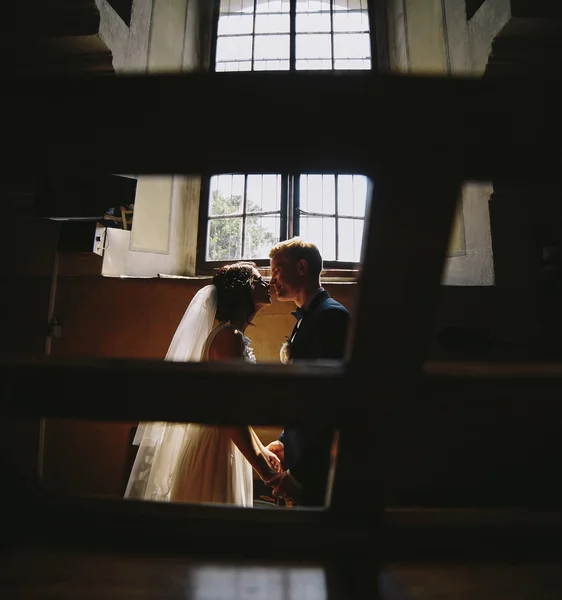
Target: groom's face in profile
(285, 277)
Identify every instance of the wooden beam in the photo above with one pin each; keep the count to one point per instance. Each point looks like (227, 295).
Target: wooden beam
(220, 393)
(134, 525)
(144, 390)
(225, 122)
(406, 534)
(426, 535)
(24, 23)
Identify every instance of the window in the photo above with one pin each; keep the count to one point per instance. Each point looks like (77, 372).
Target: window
(243, 215)
(246, 214)
(282, 35)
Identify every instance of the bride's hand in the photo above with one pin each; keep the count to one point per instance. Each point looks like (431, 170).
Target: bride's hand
(273, 460)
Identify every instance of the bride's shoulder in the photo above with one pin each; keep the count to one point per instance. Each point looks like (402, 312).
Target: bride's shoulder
(228, 343)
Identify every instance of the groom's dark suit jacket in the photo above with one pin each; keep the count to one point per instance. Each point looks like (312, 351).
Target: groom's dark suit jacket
(322, 334)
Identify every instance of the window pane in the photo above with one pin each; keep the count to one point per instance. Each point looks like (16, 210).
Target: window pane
(322, 232)
(271, 192)
(271, 46)
(271, 65)
(352, 195)
(313, 5)
(317, 194)
(350, 239)
(224, 239)
(235, 65)
(351, 21)
(352, 64)
(263, 193)
(272, 6)
(272, 23)
(318, 64)
(352, 45)
(226, 194)
(314, 22)
(234, 48)
(313, 46)
(232, 24)
(261, 234)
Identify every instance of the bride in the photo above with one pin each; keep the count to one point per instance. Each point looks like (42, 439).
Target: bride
(190, 462)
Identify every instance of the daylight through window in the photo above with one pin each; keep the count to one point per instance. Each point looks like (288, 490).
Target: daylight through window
(282, 35)
(245, 214)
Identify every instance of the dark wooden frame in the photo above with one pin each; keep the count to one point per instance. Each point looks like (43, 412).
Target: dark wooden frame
(457, 129)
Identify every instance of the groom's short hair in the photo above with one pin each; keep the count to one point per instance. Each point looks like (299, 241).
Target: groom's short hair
(296, 249)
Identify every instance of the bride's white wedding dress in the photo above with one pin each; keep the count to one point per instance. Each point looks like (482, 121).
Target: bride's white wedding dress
(188, 462)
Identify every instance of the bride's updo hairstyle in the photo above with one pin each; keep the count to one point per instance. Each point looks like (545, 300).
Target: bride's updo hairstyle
(234, 285)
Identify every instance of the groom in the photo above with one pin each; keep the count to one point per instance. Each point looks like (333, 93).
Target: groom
(320, 332)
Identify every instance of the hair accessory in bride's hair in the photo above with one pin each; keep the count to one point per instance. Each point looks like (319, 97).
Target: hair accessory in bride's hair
(234, 283)
(236, 275)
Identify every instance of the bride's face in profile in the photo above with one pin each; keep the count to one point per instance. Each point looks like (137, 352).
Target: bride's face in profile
(260, 291)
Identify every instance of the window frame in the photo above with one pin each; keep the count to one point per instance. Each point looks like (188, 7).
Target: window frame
(288, 224)
(371, 8)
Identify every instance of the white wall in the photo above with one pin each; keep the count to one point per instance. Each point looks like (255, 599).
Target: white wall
(129, 45)
(163, 37)
(434, 37)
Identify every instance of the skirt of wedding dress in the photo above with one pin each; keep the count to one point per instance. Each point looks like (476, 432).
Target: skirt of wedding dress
(211, 469)
(188, 462)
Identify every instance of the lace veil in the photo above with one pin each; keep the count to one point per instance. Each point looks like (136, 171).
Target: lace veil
(159, 442)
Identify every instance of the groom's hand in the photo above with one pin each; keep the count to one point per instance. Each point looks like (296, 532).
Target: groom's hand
(273, 460)
(277, 448)
(285, 486)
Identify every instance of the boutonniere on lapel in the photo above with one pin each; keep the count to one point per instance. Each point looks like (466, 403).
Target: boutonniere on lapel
(285, 352)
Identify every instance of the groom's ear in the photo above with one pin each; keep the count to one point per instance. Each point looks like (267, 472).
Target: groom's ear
(302, 267)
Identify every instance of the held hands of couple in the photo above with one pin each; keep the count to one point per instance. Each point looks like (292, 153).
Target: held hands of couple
(277, 448)
(283, 483)
(274, 455)
(272, 460)
(285, 486)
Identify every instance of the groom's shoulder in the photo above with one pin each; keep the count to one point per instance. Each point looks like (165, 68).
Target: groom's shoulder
(331, 311)
(330, 303)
